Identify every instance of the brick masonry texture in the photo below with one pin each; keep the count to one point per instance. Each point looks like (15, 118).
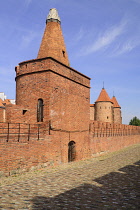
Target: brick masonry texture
(52, 44)
(104, 111)
(92, 112)
(117, 115)
(1, 114)
(61, 88)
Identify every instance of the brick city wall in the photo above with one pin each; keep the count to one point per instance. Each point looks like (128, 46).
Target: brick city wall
(109, 137)
(23, 147)
(32, 146)
(14, 114)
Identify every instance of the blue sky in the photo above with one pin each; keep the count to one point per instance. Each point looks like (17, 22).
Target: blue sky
(102, 39)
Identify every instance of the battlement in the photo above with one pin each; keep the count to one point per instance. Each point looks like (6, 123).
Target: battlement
(50, 64)
(103, 129)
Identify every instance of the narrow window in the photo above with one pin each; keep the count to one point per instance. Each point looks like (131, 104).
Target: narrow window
(71, 151)
(107, 117)
(40, 110)
(63, 53)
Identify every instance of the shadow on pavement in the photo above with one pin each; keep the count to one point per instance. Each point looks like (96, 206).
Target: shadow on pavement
(116, 190)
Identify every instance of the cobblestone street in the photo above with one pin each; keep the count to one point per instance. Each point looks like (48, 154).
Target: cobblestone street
(106, 182)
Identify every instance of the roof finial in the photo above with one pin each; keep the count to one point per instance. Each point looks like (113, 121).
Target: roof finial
(113, 94)
(103, 85)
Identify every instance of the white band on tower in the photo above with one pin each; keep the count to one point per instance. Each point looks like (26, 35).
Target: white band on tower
(53, 15)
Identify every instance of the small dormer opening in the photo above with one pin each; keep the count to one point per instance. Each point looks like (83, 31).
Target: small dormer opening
(24, 111)
(63, 53)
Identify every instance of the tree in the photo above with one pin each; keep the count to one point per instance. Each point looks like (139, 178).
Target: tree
(135, 121)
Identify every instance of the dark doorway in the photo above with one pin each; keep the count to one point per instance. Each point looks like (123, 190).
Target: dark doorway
(40, 110)
(71, 151)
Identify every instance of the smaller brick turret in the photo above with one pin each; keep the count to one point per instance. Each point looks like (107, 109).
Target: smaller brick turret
(116, 111)
(104, 107)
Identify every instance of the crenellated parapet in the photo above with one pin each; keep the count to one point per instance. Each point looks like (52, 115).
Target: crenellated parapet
(112, 129)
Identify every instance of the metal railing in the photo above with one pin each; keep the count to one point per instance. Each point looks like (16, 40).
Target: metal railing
(21, 131)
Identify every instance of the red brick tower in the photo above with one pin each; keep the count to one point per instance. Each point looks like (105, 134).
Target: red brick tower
(49, 89)
(116, 111)
(104, 107)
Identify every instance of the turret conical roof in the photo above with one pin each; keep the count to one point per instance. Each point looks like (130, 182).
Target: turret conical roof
(103, 96)
(52, 44)
(115, 102)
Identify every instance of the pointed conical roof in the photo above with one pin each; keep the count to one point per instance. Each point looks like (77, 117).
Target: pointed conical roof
(103, 96)
(52, 44)
(115, 102)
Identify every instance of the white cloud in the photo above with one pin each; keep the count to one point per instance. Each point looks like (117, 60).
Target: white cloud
(126, 47)
(79, 35)
(105, 39)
